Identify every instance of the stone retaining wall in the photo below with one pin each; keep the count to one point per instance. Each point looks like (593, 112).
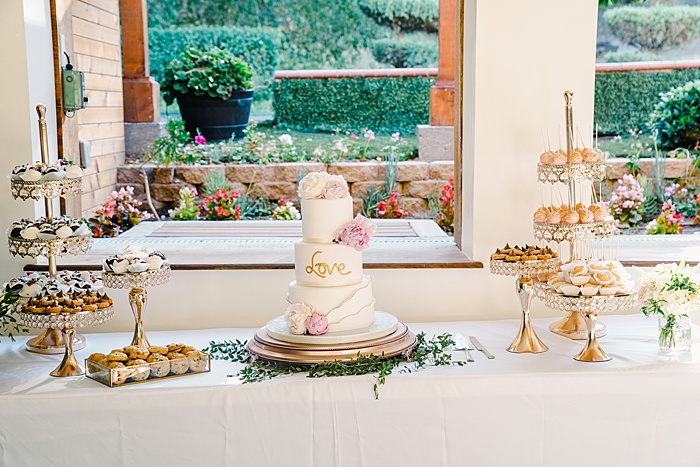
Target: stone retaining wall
(418, 181)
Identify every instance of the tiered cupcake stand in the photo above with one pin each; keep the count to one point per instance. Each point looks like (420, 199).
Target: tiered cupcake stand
(138, 297)
(59, 328)
(581, 320)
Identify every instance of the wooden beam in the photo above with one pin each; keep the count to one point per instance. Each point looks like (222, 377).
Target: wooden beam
(442, 93)
(141, 91)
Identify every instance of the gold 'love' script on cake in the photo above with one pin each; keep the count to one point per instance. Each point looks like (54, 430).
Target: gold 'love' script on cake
(323, 269)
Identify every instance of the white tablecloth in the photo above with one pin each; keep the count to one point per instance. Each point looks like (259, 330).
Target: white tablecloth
(640, 409)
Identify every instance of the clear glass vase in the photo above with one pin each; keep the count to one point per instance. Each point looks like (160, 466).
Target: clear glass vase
(674, 333)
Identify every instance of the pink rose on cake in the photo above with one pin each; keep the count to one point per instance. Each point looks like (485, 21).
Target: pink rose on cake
(316, 324)
(313, 185)
(336, 188)
(357, 233)
(296, 316)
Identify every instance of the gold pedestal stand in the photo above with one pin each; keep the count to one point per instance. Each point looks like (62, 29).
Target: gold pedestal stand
(138, 297)
(399, 342)
(526, 341)
(66, 324)
(50, 341)
(574, 327)
(589, 307)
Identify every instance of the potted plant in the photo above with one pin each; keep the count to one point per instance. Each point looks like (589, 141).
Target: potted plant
(214, 91)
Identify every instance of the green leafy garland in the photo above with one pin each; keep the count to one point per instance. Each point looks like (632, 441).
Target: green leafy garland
(8, 323)
(426, 353)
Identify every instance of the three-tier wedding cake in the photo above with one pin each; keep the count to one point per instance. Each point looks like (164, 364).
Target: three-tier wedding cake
(330, 293)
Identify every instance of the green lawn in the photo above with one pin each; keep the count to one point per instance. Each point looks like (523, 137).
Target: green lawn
(630, 146)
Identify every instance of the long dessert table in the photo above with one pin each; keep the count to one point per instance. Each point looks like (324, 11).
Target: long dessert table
(640, 409)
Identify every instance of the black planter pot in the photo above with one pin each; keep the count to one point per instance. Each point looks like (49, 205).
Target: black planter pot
(216, 119)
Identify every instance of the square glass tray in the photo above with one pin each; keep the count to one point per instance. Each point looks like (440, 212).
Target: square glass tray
(116, 377)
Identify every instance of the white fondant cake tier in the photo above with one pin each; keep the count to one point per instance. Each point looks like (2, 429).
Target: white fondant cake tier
(322, 219)
(346, 307)
(326, 265)
(382, 325)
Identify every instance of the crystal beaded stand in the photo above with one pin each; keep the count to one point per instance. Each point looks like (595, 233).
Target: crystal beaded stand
(590, 307)
(570, 172)
(573, 232)
(46, 189)
(66, 323)
(55, 247)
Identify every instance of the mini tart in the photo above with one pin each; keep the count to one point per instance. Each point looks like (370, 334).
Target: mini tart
(498, 256)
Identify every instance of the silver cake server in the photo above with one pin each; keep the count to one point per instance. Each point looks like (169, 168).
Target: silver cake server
(480, 347)
(462, 344)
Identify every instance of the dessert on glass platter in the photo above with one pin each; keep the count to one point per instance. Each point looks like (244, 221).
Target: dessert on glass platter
(57, 303)
(135, 268)
(525, 263)
(331, 313)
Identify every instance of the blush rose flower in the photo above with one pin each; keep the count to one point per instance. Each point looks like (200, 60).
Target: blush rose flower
(317, 324)
(336, 188)
(354, 236)
(368, 225)
(296, 315)
(313, 184)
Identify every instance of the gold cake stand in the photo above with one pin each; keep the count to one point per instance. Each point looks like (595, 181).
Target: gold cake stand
(589, 307)
(66, 324)
(138, 297)
(565, 173)
(399, 342)
(526, 341)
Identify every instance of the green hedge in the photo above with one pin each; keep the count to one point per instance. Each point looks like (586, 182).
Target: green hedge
(381, 104)
(410, 51)
(330, 34)
(624, 100)
(655, 27)
(404, 15)
(257, 46)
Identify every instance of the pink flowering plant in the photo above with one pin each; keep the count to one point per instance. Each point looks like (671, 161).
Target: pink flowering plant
(187, 210)
(627, 201)
(120, 212)
(668, 222)
(357, 233)
(392, 207)
(222, 205)
(285, 211)
(445, 216)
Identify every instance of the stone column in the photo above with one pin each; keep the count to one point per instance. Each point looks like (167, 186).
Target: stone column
(141, 91)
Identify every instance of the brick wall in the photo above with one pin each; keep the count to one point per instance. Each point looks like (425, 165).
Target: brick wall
(417, 181)
(97, 52)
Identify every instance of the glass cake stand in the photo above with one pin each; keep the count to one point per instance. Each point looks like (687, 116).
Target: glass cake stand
(589, 307)
(526, 341)
(138, 297)
(66, 324)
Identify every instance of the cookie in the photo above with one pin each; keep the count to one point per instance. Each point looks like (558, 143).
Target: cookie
(159, 349)
(185, 349)
(98, 358)
(198, 360)
(175, 347)
(120, 373)
(116, 356)
(160, 365)
(135, 352)
(140, 369)
(179, 364)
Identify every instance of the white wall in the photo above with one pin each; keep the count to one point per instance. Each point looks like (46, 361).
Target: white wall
(27, 80)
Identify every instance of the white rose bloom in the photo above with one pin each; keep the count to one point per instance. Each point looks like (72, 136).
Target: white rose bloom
(296, 315)
(313, 184)
(286, 139)
(336, 188)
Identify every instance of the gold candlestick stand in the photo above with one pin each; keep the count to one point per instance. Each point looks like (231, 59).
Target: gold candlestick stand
(51, 341)
(526, 341)
(138, 297)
